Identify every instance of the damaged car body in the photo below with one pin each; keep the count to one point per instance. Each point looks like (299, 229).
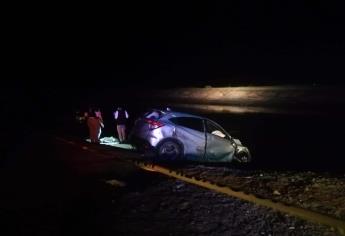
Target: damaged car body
(182, 136)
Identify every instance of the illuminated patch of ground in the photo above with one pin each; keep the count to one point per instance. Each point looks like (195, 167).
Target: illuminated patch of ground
(111, 141)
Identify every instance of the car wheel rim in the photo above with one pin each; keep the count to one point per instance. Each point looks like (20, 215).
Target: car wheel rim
(243, 158)
(169, 150)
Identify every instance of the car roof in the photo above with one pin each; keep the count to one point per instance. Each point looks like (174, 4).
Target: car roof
(181, 114)
(170, 114)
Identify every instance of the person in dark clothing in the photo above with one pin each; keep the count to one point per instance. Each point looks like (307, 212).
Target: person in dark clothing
(121, 117)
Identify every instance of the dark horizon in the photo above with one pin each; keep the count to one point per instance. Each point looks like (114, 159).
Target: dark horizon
(184, 45)
(221, 45)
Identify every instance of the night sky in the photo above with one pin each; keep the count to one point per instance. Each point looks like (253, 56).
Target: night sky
(172, 45)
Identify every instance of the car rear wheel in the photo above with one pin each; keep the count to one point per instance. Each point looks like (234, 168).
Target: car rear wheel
(169, 150)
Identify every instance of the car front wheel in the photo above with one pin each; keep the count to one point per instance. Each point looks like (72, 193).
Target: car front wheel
(243, 157)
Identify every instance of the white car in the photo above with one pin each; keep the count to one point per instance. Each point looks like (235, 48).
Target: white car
(178, 136)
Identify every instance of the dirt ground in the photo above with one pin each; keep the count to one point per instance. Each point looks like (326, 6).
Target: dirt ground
(172, 207)
(43, 195)
(322, 192)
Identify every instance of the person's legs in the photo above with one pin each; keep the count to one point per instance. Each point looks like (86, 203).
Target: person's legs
(90, 134)
(124, 132)
(93, 135)
(99, 133)
(119, 132)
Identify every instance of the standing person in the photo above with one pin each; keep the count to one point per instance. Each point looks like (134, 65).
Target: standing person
(94, 123)
(121, 116)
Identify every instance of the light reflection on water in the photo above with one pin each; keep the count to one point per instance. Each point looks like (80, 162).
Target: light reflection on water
(229, 109)
(226, 109)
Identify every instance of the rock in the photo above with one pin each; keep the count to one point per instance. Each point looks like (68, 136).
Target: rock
(276, 192)
(179, 185)
(204, 228)
(116, 183)
(184, 206)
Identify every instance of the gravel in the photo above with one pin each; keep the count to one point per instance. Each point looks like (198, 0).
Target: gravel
(172, 207)
(320, 192)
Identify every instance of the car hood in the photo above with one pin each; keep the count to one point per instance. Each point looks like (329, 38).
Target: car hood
(237, 141)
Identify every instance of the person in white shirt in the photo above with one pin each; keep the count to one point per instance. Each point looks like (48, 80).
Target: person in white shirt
(121, 116)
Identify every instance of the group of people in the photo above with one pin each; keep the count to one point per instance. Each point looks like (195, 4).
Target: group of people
(95, 123)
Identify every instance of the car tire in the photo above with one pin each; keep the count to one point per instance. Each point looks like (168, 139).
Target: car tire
(243, 157)
(170, 150)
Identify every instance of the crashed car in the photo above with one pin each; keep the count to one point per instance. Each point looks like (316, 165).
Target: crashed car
(181, 136)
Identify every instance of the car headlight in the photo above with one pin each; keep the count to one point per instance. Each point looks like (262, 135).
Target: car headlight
(234, 145)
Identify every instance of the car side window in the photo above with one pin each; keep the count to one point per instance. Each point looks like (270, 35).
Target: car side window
(212, 128)
(189, 122)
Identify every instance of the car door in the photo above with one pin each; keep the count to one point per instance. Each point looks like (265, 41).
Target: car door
(218, 145)
(191, 133)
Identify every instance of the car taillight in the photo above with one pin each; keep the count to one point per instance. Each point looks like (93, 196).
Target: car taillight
(154, 124)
